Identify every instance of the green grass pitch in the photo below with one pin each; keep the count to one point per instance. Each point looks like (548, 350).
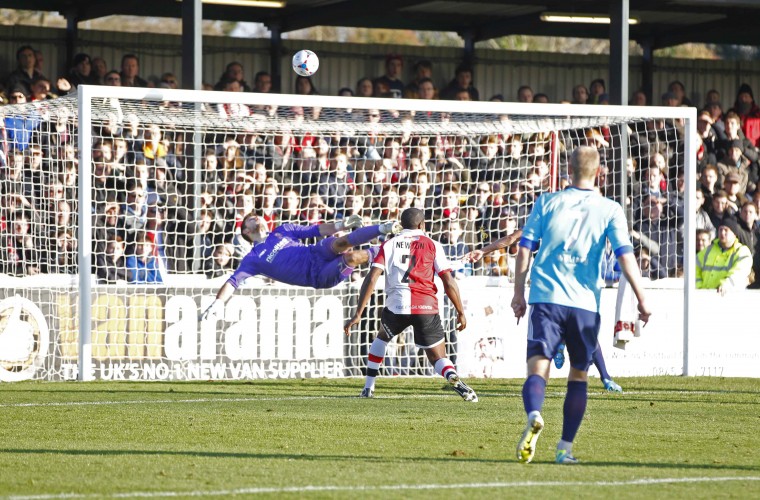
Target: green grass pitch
(668, 437)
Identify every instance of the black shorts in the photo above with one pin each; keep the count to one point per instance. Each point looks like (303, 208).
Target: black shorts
(428, 331)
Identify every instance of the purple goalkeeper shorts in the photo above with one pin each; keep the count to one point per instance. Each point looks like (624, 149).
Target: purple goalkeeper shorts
(327, 268)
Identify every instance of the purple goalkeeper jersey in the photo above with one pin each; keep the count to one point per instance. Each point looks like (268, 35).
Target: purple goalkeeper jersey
(283, 257)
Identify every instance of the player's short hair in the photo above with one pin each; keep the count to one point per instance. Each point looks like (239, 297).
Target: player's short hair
(411, 218)
(584, 162)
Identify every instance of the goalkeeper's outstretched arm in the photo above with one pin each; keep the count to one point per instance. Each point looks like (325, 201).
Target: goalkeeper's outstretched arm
(350, 222)
(224, 293)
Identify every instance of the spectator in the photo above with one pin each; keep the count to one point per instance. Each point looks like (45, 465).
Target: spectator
(659, 236)
(232, 110)
(596, 89)
(734, 196)
(233, 71)
(25, 72)
(454, 248)
(304, 85)
(262, 82)
(580, 94)
(63, 260)
(111, 267)
(169, 81)
(142, 264)
(221, 262)
(525, 94)
(364, 87)
(704, 239)
(39, 61)
(541, 98)
(747, 231)
(677, 88)
(394, 64)
(267, 204)
(709, 140)
(719, 209)
(426, 90)
(99, 70)
(20, 256)
(130, 69)
(708, 180)
(669, 99)
(291, 206)
(113, 78)
(745, 106)
(81, 71)
(20, 127)
(638, 98)
(40, 89)
(726, 264)
(462, 95)
(488, 164)
(134, 212)
(712, 97)
(734, 163)
(423, 70)
(462, 82)
(703, 221)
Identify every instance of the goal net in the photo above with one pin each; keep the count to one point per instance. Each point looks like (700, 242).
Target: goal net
(121, 214)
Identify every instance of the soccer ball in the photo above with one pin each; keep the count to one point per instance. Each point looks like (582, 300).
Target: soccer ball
(305, 62)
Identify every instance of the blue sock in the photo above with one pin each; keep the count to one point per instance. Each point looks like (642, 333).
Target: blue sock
(363, 235)
(533, 392)
(575, 407)
(598, 360)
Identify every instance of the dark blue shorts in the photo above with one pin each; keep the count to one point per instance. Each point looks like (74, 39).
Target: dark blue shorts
(550, 325)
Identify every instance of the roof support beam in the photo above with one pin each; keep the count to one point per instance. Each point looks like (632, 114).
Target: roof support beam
(275, 57)
(192, 44)
(72, 37)
(618, 90)
(647, 69)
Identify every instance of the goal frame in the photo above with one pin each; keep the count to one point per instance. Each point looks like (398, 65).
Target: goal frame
(85, 94)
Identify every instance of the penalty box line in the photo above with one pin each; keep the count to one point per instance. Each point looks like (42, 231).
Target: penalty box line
(389, 487)
(317, 398)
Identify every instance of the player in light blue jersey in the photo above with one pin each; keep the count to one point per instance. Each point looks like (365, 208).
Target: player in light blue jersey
(571, 228)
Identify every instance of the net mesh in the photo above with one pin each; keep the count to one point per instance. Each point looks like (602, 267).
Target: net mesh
(171, 183)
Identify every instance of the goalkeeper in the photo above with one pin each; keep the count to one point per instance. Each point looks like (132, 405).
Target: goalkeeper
(282, 256)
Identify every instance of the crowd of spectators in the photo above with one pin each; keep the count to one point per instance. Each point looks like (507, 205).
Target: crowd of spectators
(149, 220)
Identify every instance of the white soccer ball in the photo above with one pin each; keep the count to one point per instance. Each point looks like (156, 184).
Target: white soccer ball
(305, 62)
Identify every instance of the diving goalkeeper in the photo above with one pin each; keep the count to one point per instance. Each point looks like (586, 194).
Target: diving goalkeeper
(282, 256)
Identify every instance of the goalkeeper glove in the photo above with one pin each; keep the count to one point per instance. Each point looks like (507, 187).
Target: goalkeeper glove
(209, 310)
(350, 222)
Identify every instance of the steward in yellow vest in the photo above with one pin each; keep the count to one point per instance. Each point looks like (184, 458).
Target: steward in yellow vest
(726, 264)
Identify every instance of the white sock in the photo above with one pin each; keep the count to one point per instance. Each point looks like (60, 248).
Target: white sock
(374, 360)
(445, 368)
(564, 445)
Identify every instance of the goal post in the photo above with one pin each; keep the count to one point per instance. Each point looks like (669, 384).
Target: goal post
(165, 176)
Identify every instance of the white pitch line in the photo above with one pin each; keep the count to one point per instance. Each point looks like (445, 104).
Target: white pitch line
(389, 487)
(333, 397)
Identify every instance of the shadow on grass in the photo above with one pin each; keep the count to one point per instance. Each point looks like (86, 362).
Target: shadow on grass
(354, 458)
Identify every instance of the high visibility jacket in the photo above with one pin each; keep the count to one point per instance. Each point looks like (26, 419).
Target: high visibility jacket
(730, 267)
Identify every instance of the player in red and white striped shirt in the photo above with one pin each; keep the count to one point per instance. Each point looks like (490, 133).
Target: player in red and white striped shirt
(410, 261)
